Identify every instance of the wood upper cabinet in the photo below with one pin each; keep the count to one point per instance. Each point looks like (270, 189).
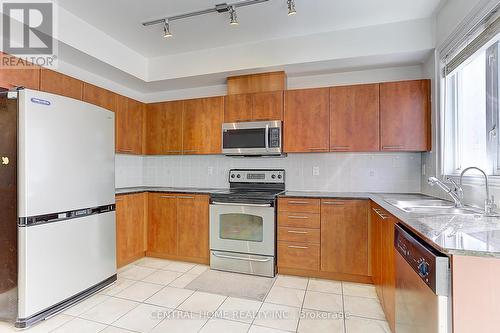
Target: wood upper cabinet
(20, 74)
(60, 84)
(193, 226)
(354, 118)
(99, 96)
(130, 227)
(307, 120)
(162, 223)
(129, 120)
(164, 128)
(405, 116)
(238, 108)
(202, 120)
(344, 236)
(254, 107)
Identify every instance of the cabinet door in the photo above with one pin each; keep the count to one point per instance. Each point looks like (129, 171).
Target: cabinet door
(344, 236)
(405, 116)
(238, 108)
(202, 125)
(130, 219)
(307, 121)
(267, 106)
(354, 118)
(129, 126)
(192, 224)
(20, 73)
(155, 128)
(99, 96)
(162, 223)
(60, 84)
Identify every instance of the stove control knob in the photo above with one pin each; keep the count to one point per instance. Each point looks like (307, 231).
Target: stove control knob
(232, 176)
(423, 269)
(273, 176)
(279, 177)
(238, 176)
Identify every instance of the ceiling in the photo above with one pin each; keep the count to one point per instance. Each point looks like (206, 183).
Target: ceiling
(121, 20)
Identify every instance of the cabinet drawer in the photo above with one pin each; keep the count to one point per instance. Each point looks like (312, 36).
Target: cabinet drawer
(299, 220)
(299, 235)
(301, 205)
(298, 255)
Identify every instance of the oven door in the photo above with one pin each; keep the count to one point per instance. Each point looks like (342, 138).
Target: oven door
(252, 138)
(242, 228)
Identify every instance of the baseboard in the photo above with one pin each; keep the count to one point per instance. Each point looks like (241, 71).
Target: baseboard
(326, 275)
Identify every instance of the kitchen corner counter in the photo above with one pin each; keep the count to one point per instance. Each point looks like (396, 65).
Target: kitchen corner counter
(465, 235)
(141, 189)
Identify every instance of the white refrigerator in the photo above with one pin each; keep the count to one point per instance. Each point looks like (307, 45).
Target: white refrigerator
(65, 203)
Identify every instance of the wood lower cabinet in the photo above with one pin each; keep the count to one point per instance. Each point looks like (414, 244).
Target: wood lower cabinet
(202, 120)
(405, 109)
(164, 128)
(193, 226)
(129, 122)
(18, 73)
(99, 96)
(354, 118)
(307, 121)
(60, 84)
(130, 227)
(178, 226)
(344, 236)
(383, 260)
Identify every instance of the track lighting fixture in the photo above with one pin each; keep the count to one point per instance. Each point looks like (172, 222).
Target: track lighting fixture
(166, 29)
(233, 16)
(291, 7)
(220, 8)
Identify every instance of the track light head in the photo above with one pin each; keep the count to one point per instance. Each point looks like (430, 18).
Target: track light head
(233, 16)
(166, 29)
(291, 7)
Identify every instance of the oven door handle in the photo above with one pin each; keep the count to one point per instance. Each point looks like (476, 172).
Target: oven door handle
(267, 137)
(239, 258)
(239, 204)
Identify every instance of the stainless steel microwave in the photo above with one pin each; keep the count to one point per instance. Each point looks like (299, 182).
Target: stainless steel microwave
(252, 138)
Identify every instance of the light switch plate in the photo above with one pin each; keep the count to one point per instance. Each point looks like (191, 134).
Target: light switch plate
(315, 171)
(210, 171)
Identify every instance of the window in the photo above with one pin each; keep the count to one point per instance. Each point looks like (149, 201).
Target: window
(471, 136)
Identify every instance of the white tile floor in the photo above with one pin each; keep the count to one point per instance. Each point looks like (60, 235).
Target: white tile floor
(149, 296)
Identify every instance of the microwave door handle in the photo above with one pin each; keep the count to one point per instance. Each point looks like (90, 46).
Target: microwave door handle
(267, 137)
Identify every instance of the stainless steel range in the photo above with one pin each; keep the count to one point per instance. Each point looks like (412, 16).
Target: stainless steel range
(243, 222)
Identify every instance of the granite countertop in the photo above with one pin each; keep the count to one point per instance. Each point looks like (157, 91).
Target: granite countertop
(192, 190)
(470, 235)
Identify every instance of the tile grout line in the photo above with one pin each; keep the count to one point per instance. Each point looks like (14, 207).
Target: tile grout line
(302, 306)
(343, 307)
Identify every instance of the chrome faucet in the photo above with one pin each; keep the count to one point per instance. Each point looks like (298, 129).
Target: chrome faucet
(489, 202)
(456, 193)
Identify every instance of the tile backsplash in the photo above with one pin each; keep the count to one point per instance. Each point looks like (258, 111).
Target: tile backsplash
(349, 172)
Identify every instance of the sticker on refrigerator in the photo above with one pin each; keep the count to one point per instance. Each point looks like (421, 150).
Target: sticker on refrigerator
(40, 101)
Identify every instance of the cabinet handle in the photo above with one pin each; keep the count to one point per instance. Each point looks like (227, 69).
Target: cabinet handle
(185, 197)
(125, 150)
(167, 197)
(298, 202)
(173, 151)
(340, 147)
(380, 214)
(297, 247)
(334, 203)
(298, 217)
(191, 150)
(392, 147)
(317, 148)
(297, 232)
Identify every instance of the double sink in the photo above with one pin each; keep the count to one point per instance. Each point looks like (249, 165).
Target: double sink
(428, 205)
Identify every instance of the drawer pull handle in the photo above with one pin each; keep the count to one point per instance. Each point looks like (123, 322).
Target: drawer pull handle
(185, 197)
(392, 147)
(341, 147)
(298, 202)
(167, 197)
(379, 213)
(297, 247)
(124, 150)
(334, 203)
(297, 232)
(317, 148)
(298, 217)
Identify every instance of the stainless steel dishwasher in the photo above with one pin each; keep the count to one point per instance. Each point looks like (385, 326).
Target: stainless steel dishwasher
(422, 286)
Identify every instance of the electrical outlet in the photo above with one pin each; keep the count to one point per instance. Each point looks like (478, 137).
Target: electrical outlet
(315, 171)
(210, 171)
(372, 173)
(424, 172)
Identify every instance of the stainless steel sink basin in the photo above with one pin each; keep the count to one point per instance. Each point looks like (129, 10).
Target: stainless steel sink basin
(431, 206)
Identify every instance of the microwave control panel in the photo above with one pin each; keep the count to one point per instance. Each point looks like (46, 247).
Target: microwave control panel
(274, 137)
